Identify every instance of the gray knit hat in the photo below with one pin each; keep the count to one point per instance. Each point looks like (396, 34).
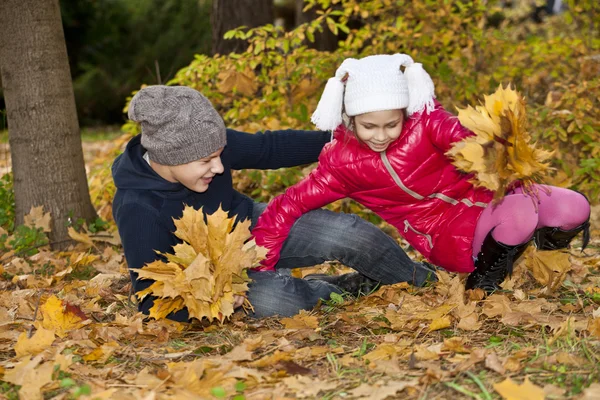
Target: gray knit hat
(179, 124)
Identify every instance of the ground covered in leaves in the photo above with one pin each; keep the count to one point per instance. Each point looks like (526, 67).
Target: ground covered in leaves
(69, 329)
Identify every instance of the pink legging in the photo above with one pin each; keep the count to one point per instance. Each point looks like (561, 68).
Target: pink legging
(515, 218)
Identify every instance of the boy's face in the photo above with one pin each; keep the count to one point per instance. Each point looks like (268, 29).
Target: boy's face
(197, 175)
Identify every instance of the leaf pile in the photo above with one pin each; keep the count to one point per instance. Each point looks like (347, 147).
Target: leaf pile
(501, 151)
(206, 270)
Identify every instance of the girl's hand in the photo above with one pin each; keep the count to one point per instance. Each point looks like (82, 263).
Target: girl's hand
(238, 301)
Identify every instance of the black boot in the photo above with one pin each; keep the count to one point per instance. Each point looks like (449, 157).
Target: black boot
(556, 238)
(353, 282)
(494, 262)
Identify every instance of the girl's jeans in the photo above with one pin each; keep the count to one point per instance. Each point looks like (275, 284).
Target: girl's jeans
(323, 235)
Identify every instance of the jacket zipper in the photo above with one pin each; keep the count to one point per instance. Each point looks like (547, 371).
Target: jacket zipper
(443, 197)
(408, 226)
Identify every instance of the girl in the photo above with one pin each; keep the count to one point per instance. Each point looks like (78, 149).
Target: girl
(388, 153)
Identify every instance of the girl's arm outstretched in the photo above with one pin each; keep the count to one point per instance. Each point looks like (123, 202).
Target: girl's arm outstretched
(318, 189)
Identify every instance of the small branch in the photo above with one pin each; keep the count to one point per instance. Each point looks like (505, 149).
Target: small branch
(37, 307)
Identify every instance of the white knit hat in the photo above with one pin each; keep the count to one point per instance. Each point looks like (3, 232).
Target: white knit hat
(374, 83)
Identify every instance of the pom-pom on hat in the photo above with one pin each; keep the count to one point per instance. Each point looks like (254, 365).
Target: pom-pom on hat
(374, 83)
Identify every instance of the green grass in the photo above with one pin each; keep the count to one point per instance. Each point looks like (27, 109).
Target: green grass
(87, 134)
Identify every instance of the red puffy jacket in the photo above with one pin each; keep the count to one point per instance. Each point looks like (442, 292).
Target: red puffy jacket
(412, 185)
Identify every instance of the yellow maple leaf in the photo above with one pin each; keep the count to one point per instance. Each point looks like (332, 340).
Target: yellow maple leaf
(206, 271)
(60, 317)
(510, 390)
(40, 341)
(501, 152)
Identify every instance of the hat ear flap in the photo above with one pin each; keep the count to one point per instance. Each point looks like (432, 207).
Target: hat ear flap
(421, 90)
(328, 114)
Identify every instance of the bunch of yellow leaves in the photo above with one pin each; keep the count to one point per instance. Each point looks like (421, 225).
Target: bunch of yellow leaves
(501, 152)
(206, 271)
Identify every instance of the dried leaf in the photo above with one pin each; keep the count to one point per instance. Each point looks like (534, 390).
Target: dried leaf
(303, 386)
(440, 323)
(80, 237)
(549, 267)
(510, 390)
(40, 341)
(303, 320)
(492, 362)
(61, 317)
(382, 390)
(38, 219)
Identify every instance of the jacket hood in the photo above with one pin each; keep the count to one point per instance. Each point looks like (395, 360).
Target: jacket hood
(131, 171)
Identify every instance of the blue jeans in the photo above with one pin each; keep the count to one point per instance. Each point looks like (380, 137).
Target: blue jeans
(323, 235)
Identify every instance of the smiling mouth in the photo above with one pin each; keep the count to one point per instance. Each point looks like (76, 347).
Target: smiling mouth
(379, 145)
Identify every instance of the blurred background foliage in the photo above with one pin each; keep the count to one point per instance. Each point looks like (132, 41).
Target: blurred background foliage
(469, 48)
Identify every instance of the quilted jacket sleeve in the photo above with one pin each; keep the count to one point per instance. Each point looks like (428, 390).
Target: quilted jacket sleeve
(318, 189)
(445, 129)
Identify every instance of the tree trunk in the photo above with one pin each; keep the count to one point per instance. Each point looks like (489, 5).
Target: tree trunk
(43, 131)
(231, 14)
(324, 41)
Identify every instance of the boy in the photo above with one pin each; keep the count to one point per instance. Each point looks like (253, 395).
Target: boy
(185, 155)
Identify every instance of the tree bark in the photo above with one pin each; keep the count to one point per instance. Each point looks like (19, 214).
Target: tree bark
(324, 41)
(230, 14)
(43, 131)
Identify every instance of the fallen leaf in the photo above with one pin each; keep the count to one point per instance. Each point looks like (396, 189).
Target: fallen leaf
(303, 386)
(31, 375)
(381, 390)
(440, 323)
(38, 219)
(592, 392)
(492, 362)
(594, 327)
(510, 390)
(40, 341)
(302, 320)
(80, 237)
(549, 267)
(61, 317)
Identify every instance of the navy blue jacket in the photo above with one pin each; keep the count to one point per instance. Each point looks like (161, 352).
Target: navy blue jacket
(145, 204)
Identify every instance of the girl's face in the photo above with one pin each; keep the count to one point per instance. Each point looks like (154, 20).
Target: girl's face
(196, 175)
(378, 129)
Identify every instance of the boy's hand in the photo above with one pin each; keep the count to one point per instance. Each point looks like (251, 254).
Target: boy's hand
(238, 301)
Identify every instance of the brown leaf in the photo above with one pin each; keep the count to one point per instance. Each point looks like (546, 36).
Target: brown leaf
(294, 369)
(242, 82)
(549, 267)
(80, 237)
(381, 389)
(31, 375)
(594, 327)
(492, 362)
(592, 392)
(303, 386)
(38, 219)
